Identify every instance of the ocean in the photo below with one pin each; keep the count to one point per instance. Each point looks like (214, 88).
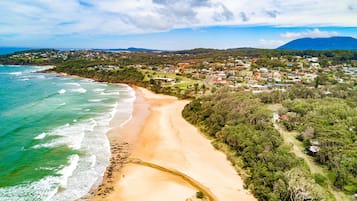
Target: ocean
(10, 50)
(53, 143)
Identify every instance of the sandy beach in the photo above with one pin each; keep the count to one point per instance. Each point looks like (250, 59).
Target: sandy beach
(158, 156)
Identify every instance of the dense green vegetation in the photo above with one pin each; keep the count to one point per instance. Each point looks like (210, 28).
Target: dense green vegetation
(241, 121)
(333, 56)
(22, 60)
(100, 71)
(174, 57)
(348, 92)
(86, 68)
(332, 124)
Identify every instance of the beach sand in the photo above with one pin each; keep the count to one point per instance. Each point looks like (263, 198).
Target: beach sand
(158, 156)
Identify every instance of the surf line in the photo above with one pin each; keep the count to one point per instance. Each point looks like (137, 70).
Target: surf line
(177, 173)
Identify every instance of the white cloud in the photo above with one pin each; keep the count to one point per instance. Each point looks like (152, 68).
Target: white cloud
(147, 16)
(263, 43)
(314, 33)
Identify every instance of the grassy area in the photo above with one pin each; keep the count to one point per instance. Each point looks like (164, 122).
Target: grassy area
(181, 81)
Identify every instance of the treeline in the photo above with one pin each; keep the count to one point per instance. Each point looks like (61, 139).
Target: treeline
(326, 118)
(341, 90)
(195, 55)
(99, 71)
(9, 60)
(331, 125)
(84, 68)
(22, 61)
(242, 122)
(337, 56)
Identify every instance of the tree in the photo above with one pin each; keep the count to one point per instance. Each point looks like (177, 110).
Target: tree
(301, 187)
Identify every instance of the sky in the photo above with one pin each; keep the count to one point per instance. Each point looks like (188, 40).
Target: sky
(171, 24)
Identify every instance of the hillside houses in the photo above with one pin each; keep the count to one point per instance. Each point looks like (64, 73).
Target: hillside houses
(257, 73)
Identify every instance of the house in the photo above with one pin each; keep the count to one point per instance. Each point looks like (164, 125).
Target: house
(313, 59)
(263, 70)
(183, 65)
(276, 117)
(239, 62)
(310, 76)
(284, 117)
(221, 74)
(257, 75)
(276, 76)
(166, 80)
(314, 65)
(205, 71)
(313, 150)
(231, 78)
(219, 81)
(293, 76)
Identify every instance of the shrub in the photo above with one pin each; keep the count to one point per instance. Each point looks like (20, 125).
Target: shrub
(199, 195)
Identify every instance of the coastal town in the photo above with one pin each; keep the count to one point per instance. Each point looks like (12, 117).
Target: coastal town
(291, 103)
(164, 100)
(248, 73)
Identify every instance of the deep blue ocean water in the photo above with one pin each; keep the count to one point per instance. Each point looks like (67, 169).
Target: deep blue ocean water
(53, 143)
(9, 50)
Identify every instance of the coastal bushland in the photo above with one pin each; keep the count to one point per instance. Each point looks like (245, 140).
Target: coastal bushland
(329, 124)
(89, 69)
(244, 123)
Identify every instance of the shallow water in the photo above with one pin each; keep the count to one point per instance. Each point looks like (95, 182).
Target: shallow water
(53, 144)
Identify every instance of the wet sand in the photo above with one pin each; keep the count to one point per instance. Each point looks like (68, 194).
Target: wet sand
(158, 156)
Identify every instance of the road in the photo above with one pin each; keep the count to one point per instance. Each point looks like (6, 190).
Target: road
(297, 149)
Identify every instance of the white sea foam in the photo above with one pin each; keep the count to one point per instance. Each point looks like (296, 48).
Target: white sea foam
(98, 89)
(74, 84)
(90, 166)
(62, 91)
(110, 93)
(41, 68)
(95, 100)
(95, 143)
(67, 171)
(62, 104)
(40, 136)
(71, 136)
(83, 171)
(79, 90)
(40, 190)
(15, 73)
(40, 77)
(44, 189)
(89, 80)
(93, 160)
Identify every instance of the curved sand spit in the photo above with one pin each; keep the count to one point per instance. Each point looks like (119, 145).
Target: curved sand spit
(172, 159)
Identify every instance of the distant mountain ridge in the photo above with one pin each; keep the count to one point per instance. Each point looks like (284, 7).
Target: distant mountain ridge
(332, 43)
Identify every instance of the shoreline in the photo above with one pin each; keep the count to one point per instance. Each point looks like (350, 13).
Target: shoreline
(158, 137)
(122, 137)
(178, 160)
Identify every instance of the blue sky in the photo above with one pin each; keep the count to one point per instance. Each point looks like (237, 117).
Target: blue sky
(172, 24)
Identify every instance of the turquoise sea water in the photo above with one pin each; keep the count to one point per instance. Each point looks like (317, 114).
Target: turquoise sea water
(52, 133)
